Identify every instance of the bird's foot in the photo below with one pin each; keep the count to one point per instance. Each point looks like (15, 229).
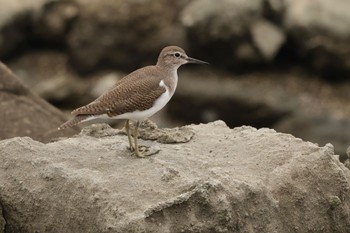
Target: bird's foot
(144, 151)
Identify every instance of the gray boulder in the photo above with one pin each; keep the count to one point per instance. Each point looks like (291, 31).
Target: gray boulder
(23, 113)
(222, 180)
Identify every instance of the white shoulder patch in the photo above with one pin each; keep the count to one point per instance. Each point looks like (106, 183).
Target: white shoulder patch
(162, 84)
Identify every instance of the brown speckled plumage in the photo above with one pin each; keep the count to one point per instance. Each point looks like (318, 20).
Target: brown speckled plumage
(136, 91)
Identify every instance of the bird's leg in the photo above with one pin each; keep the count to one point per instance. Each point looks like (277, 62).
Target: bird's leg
(136, 133)
(127, 128)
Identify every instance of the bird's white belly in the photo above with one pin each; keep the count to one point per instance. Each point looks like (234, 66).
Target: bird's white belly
(142, 115)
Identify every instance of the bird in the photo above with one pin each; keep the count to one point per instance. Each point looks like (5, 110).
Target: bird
(138, 95)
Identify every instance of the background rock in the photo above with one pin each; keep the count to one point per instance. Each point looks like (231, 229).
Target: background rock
(15, 24)
(232, 34)
(221, 31)
(23, 113)
(48, 74)
(222, 180)
(125, 34)
(320, 31)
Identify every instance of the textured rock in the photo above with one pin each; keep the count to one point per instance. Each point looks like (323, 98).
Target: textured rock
(223, 180)
(23, 113)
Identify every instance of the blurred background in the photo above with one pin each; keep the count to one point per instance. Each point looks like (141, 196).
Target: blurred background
(283, 64)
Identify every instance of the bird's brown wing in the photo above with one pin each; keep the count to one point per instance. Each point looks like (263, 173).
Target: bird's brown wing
(137, 91)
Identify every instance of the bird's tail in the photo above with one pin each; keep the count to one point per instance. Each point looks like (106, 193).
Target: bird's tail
(74, 121)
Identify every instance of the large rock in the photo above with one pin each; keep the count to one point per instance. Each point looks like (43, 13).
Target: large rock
(223, 180)
(23, 113)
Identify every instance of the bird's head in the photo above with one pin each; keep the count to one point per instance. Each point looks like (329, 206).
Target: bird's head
(174, 56)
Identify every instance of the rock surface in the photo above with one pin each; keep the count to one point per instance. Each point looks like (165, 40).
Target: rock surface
(222, 180)
(22, 113)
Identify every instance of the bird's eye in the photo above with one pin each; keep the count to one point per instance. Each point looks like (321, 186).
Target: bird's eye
(177, 54)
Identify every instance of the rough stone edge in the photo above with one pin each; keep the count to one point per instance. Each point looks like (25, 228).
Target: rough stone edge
(2, 219)
(27, 92)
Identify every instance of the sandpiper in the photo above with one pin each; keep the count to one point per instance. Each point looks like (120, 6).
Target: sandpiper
(138, 95)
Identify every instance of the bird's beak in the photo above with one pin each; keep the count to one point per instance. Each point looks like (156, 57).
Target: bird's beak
(196, 61)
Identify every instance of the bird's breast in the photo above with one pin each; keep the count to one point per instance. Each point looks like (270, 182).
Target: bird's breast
(170, 82)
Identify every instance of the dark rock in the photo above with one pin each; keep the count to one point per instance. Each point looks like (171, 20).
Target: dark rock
(23, 113)
(54, 20)
(123, 33)
(319, 32)
(224, 180)
(232, 33)
(15, 25)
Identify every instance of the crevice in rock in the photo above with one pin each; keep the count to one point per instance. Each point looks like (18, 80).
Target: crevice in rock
(3, 214)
